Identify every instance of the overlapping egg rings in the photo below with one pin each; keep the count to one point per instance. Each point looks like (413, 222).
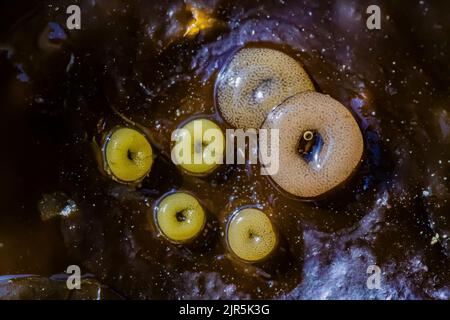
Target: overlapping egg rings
(319, 146)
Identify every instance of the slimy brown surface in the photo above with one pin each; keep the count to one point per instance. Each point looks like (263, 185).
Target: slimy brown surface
(155, 66)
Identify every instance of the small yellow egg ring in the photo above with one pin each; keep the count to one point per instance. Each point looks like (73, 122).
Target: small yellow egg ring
(128, 155)
(198, 169)
(167, 216)
(254, 228)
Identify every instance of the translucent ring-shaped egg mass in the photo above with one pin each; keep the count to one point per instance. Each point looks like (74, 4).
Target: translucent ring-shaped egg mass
(254, 82)
(128, 155)
(180, 216)
(251, 235)
(320, 144)
(199, 146)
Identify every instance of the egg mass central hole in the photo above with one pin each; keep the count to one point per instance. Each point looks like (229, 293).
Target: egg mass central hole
(253, 236)
(309, 145)
(263, 90)
(181, 216)
(199, 146)
(130, 155)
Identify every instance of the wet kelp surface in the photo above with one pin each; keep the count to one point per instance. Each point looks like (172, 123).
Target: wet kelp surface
(154, 66)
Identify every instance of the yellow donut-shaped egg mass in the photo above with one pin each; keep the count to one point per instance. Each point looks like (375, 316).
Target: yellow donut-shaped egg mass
(180, 217)
(128, 155)
(251, 235)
